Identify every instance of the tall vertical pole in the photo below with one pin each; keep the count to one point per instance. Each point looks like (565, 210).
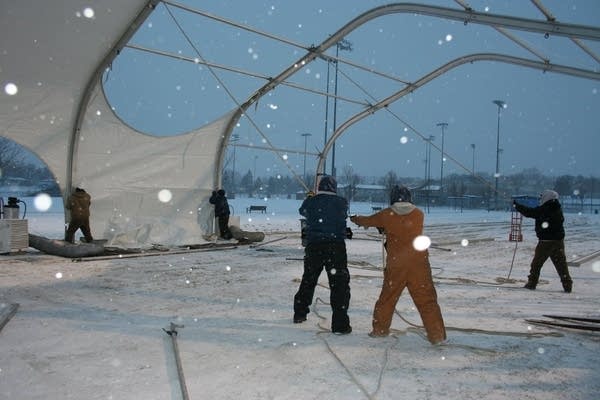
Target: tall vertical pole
(473, 168)
(326, 117)
(443, 125)
(500, 105)
(429, 168)
(335, 92)
(254, 173)
(234, 138)
(426, 159)
(306, 135)
(341, 45)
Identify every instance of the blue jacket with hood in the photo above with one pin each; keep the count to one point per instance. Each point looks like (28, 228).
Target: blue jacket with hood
(325, 214)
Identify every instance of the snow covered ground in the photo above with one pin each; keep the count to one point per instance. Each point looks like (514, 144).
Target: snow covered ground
(96, 329)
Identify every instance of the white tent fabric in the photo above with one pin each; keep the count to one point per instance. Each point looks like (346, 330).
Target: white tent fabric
(50, 53)
(51, 63)
(54, 53)
(125, 171)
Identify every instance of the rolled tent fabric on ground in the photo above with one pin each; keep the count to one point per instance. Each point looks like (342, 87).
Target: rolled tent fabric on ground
(125, 171)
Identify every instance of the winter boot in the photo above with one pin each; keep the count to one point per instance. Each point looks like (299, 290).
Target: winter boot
(344, 331)
(299, 318)
(530, 285)
(567, 285)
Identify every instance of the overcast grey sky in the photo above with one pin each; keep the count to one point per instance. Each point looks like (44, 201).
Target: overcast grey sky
(552, 121)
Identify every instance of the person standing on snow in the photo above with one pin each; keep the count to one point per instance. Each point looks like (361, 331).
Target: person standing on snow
(221, 212)
(325, 231)
(406, 266)
(550, 233)
(79, 204)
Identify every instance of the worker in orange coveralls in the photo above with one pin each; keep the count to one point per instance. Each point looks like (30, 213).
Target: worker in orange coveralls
(406, 266)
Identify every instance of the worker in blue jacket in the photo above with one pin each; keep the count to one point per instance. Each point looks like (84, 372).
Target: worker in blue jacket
(325, 234)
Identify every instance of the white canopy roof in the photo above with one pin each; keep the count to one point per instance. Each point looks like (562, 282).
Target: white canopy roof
(148, 189)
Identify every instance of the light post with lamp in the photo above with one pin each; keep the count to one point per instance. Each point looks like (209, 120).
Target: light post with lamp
(306, 135)
(473, 168)
(501, 104)
(429, 140)
(443, 125)
(346, 46)
(234, 138)
(254, 174)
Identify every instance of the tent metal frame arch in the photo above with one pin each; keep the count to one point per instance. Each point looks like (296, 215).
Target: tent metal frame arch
(582, 73)
(92, 82)
(551, 27)
(466, 16)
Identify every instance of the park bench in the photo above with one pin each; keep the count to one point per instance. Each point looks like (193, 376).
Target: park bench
(262, 209)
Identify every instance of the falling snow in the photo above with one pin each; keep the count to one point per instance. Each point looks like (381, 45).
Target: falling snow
(105, 319)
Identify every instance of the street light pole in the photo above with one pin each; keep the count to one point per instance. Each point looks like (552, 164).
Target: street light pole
(234, 138)
(443, 125)
(341, 45)
(306, 135)
(473, 169)
(429, 140)
(500, 105)
(431, 137)
(326, 116)
(254, 172)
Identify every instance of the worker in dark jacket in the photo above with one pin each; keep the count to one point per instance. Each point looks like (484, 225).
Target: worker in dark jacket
(79, 204)
(219, 199)
(551, 233)
(325, 232)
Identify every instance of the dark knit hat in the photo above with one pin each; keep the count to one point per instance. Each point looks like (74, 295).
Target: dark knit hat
(400, 193)
(328, 184)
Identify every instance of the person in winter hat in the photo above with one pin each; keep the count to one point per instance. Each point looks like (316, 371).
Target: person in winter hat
(325, 232)
(78, 204)
(550, 232)
(222, 212)
(406, 266)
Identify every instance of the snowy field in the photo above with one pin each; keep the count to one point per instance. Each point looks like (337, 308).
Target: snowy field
(96, 329)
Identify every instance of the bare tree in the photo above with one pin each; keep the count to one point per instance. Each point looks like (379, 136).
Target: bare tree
(351, 179)
(389, 180)
(10, 154)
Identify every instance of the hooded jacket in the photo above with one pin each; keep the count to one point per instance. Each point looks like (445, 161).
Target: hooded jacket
(402, 223)
(325, 214)
(79, 203)
(221, 204)
(548, 219)
(406, 266)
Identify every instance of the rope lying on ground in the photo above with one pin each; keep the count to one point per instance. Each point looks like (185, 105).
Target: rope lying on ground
(482, 331)
(321, 334)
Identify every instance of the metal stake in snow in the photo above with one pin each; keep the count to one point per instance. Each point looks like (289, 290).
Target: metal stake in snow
(173, 333)
(6, 316)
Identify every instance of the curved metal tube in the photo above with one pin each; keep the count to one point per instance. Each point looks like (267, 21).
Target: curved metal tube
(544, 27)
(432, 75)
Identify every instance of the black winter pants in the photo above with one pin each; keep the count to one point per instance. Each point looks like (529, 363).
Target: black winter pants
(332, 257)
(74, 225)
(555, 250)
(224, 227)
